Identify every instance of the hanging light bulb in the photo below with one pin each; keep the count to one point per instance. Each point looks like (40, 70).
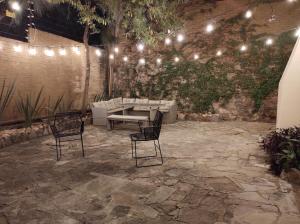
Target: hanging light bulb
(269, 41)
(32, 51)
(180, 37)
(140, 47)
(62, 51)
(125, 58)
(243, 48)
(219, 53)
(176, 59)
(15, 6)
(196, 56)
(111, 57)
(98, 53)
(248, 14)
(142, 61)
(116, 50)
(291, 1)
(49, 52)
(168, 41)
(209, 28)
(76, 50)
(158, 61)
(18, 48)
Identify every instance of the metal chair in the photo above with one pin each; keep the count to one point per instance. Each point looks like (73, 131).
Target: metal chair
(64, 126)
(150, 133)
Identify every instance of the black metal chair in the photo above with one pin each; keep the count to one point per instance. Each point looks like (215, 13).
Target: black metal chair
(150, 133)
(64, 127)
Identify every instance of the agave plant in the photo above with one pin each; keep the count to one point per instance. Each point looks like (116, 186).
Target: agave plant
(30, 107)
(6, 93)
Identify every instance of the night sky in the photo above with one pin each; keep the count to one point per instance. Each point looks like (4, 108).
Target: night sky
(60, 20)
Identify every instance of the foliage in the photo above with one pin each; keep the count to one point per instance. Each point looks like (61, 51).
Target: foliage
(6, 93)
(283, 148)
(30, 107)
(52, 107)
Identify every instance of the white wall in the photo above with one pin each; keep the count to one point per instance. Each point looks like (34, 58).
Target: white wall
(288, 109)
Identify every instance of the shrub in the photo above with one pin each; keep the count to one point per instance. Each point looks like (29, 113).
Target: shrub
(6, 93)
(283, 148)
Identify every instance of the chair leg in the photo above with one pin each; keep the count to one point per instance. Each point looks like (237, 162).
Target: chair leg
(136, 158)
(155, 148)
(162, 161)
(57, 152)
(82, 148)
(59, 146)
(132, 149)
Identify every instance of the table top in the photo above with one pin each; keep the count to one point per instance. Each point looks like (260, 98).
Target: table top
(127, 117)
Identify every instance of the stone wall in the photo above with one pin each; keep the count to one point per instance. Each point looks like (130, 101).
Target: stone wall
(58, 75)
(247, 82)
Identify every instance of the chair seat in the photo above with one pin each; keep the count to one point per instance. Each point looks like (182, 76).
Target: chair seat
(141, 137)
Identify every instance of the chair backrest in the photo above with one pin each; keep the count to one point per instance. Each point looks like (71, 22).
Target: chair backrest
(67, 121)
(157, 122)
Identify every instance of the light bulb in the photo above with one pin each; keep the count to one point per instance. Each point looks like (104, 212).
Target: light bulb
(209, 28)
(248, 14)
(158, 61)
(62, 51)
(269, 41)
(125, 58)
(219, 53)
(243, 48)
(15, 6)
(142, 61)
(98, 52)
(176, 59)
(18, 48)
(196, 56)
(140, 46)
(116, 50)
(111, 57)
(180, 37)
(32, 51)
(168, 41)
(48, 52)
(76, 50)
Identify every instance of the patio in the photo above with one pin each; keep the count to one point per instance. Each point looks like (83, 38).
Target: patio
(213, 173)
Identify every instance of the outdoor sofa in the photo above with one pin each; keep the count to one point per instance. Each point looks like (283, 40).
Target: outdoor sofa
(133, 107)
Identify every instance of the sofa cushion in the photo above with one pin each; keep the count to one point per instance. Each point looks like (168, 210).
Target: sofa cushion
(141, 108)
(154, 102)
(141, 101)
(110, 105)
(118, 101)
(128, 100)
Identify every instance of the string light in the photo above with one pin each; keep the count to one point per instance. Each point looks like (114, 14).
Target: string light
(269, 41)
(196, 56)
(248, 14)
(219, 53)
(18, 48)
(209, 28)
(169, 31)
(180, 37)
(32, 51)
(116, 50)
(142, 61)
(111, 57)
(176, 59)
(291, 1)
(49, 52)
(158, 61)
(62, 51)
(297, 33)
(125, 58)
(76, 50)
(98, 52)
(168, 41)
(16, 6)
(140, 47)
(244, 48)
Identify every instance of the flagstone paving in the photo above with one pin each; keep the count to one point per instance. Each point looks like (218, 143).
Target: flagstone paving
(213, 173)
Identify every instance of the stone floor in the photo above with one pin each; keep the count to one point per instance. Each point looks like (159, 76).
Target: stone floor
(213, 173)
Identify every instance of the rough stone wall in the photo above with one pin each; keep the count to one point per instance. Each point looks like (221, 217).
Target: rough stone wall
(58, 75)
(247, 100)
